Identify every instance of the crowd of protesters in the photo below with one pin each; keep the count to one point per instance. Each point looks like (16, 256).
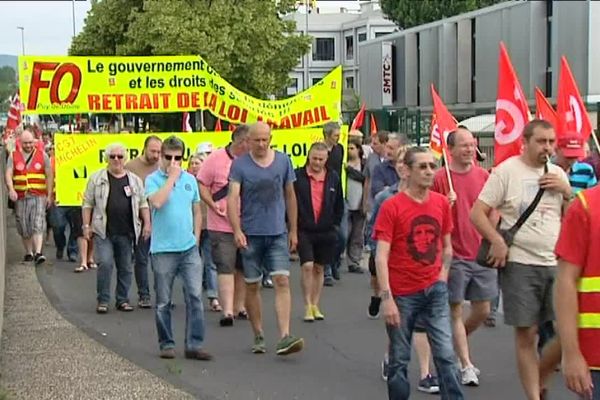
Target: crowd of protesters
(230, 222)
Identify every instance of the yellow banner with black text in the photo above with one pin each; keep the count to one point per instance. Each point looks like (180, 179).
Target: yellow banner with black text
(78, 156)
(75, 85)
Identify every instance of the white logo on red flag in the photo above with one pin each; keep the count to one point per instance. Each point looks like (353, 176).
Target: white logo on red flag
(572, 115)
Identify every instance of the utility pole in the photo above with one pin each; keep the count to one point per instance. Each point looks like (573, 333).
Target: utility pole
(22, 37)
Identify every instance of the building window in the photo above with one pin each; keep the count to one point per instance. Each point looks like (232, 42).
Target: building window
(324, 49)
(316, 80)
(378, 34)
(293, 88)
(349, 47)
(362, 37)
(349, 82)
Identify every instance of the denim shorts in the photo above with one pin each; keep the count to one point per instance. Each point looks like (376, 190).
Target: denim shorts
(265, 253)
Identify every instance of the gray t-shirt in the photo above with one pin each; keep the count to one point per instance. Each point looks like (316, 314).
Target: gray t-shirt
(262, 193)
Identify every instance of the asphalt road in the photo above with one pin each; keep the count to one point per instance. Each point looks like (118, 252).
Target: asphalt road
(341, 360)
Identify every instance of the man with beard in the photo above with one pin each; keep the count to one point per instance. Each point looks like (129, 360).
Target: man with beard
(414, 252)
(143, 166)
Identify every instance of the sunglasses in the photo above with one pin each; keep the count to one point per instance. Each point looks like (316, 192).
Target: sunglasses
(119, 156)
(424, 166)
(169, 157)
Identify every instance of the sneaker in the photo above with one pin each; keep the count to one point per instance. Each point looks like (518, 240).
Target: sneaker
(385, 365)
(355, 269)
(288, 345)
(468, 376)
(167, 353)
(39, 259)
(259, 346)
(144, 303)
(308, 314)
(60, 254)
(429, 384)
(328, 281)
(317, 313)
(28, 258)
(198, 354)
(267, 283)
(374, 305)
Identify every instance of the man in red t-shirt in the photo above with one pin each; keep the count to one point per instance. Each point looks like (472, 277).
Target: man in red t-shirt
(467, 280)
(577, 287)
(414, 252)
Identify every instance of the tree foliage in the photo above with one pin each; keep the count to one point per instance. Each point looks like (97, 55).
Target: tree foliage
(8, 86)
(246, 41)
(409, 13)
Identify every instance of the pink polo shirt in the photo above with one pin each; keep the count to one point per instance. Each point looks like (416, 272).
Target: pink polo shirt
(214, 174)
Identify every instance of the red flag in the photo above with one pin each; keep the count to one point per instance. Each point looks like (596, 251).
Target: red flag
(572, 115)
(373, 125)
(14, 113)
(544, 110)
(185, 126)
(442, 123)
(218, 125)
(359, 119)
(512, 111)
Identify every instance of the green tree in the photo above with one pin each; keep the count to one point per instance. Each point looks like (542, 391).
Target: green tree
(409, 13)
(8, 86)
(246, 41)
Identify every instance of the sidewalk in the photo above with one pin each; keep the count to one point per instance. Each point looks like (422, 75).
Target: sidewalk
(45, 357)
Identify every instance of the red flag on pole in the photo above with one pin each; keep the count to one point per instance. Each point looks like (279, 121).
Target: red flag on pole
(572, 115)
(14, 113)
(442, 123)
(373, 125)
(544, 110)
(185, 126)
(359, 119)
(512, 111)
(218, 125)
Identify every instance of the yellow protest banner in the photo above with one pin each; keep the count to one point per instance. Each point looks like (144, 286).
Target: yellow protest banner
(78, 156)
(75, 85)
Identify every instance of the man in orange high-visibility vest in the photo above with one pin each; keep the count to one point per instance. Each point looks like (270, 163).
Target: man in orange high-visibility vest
(29, 179)
(577, 294)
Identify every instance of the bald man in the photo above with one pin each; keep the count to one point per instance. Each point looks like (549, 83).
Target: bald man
(467, 280)
(262, 183)
(29, 179)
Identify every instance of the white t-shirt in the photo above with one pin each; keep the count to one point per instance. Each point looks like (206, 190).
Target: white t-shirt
(510, 189)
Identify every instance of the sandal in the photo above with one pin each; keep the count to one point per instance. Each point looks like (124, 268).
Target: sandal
(92, 265)
(226, 320)
(81, 268)
(102, 308)
(215, 306)
(124, 307)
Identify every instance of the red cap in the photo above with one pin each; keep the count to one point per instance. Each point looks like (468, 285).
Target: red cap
(571, 146)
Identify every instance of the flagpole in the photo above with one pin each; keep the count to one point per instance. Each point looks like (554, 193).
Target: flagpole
(447, 168)
(595, 138)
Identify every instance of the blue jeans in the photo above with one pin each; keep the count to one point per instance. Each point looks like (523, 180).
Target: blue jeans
(209, 276)
(596, 382)
(115, 250)
(58, 220)
(188, 266)
(341, 245)
(142, 253)
(429, 306)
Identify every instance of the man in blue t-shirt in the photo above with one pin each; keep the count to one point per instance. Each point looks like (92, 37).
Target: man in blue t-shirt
(176, 225)
(569, 150)
(261, 185)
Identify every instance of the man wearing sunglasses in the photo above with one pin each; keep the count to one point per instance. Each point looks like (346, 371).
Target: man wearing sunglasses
(114, 197)
(176, 226)
(414, 252)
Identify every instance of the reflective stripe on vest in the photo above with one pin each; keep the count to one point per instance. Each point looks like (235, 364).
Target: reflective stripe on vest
(589, 320)
(588, 284)
(28, 179)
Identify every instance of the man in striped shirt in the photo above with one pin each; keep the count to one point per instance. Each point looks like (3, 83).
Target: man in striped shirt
(569, 150)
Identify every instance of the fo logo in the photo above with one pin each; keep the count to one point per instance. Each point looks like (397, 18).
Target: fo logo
(59, 72)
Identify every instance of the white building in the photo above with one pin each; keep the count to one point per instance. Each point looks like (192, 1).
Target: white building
(335, 41)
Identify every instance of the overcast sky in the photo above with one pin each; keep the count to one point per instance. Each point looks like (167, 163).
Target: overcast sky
(49, 24)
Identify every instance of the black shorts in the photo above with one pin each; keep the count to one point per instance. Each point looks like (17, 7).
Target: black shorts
(317, 247)
(75, 221)
(372, 267)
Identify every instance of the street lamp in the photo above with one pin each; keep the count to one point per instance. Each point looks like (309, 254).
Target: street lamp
(22, 37)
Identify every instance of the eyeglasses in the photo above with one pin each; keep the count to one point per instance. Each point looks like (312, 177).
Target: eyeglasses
(119, 156)
(169, 157)
(424, 166)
